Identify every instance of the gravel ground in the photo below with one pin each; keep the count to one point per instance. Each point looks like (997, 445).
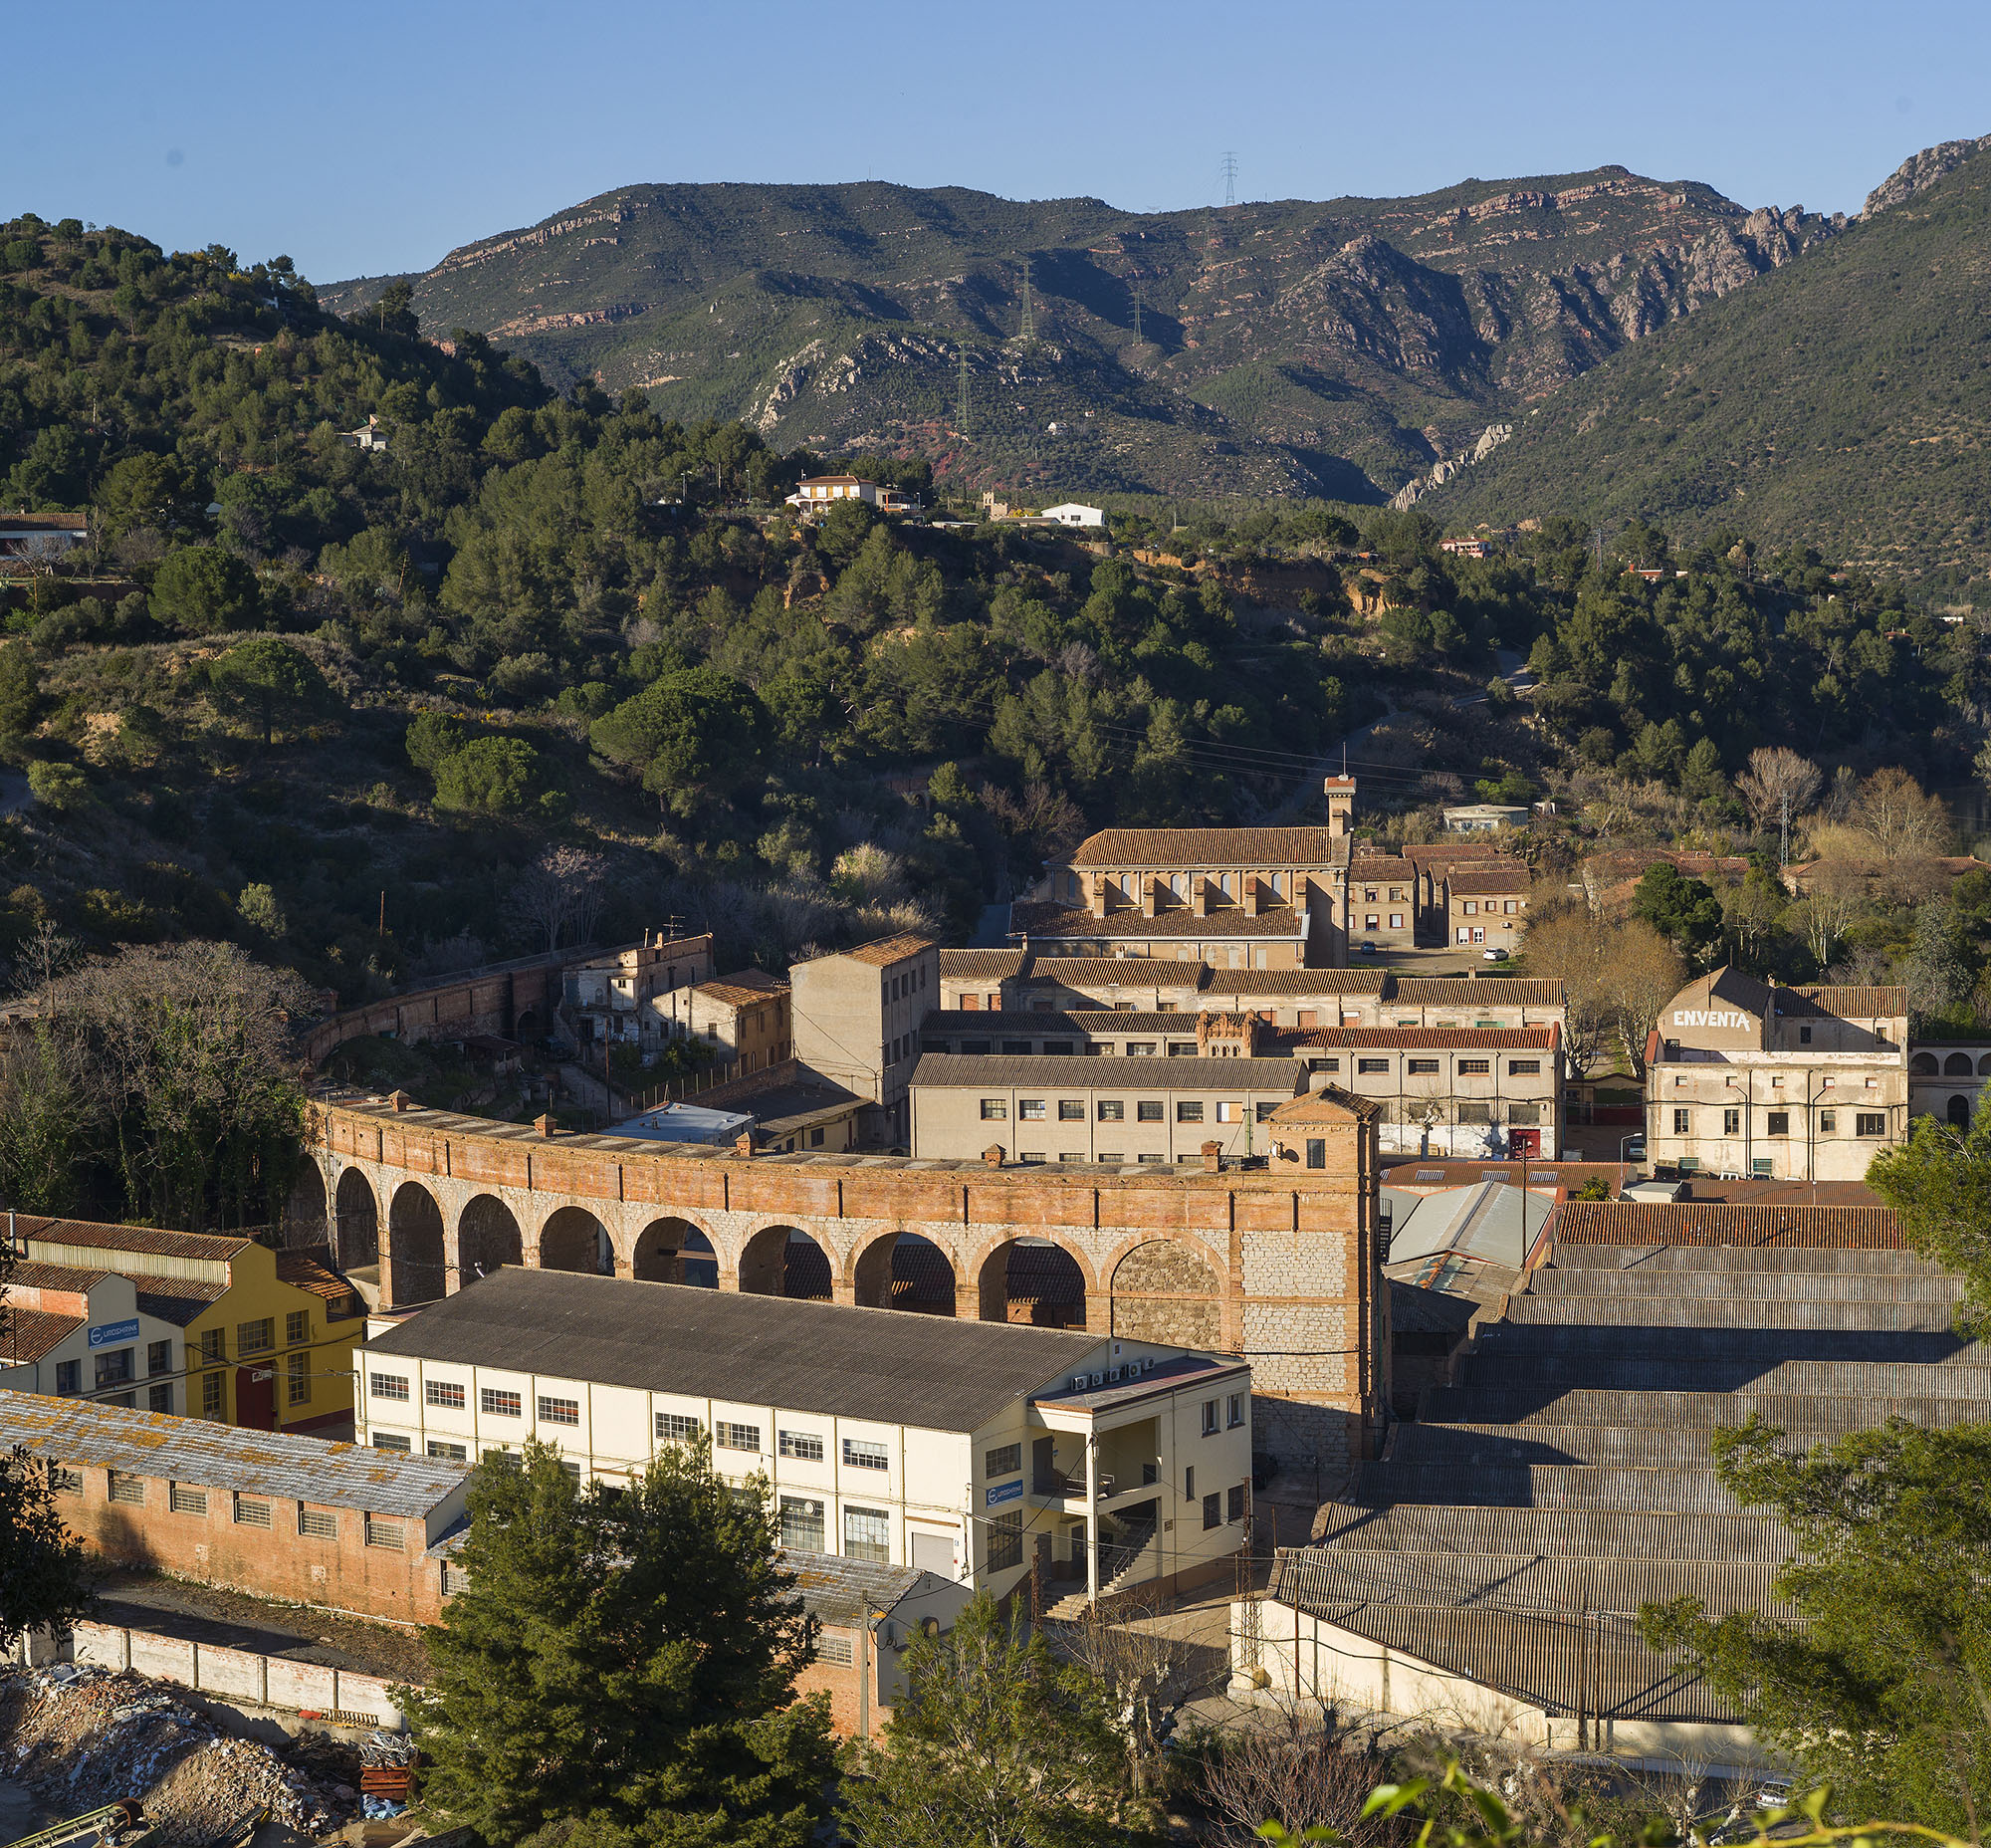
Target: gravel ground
(233, 1620)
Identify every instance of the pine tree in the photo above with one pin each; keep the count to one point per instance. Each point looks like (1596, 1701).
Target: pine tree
(996, 1744)
(622, 1667)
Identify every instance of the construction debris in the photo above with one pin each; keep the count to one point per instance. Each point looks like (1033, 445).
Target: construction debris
(77, 1735)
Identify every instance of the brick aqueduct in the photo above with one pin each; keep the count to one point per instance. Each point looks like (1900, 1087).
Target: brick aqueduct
(1278, 1266)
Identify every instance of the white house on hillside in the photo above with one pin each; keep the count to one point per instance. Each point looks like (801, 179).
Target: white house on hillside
(1071, 512)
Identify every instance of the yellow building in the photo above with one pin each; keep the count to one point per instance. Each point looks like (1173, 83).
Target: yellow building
(267, 1336)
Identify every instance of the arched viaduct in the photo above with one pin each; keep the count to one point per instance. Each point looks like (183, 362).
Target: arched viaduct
(1276, 1265)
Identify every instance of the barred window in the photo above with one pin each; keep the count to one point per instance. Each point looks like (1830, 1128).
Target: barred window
(448, 1394)
(1475, 1067)
(802, 1446)
(184, 1500)
(389, 1386)
(558, 1410)
(251, 1512)
(1212, 1509)
(497, 1403)
(834, 1650)
(1421, 1067)
(1234, 1511)
(865, 1454)
(728, 1436)
(318, 1523)
(1523, 1067)
(676, 1428)
(1005, 1541)
(386, 1533)
(125, 1488)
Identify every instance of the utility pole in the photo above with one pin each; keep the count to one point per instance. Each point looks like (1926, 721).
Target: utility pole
(1229, 177)
(382, 932)
(1027, 331)
(961, 415)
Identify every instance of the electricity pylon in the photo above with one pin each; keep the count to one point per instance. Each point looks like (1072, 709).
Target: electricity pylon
(1028, 329)
(961, 414)
(1230, 178)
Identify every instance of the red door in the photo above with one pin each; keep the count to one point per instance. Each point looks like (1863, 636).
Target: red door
(1526, 1143)
(256, 1398)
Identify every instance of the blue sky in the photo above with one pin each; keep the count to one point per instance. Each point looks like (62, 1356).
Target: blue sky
(365, 137)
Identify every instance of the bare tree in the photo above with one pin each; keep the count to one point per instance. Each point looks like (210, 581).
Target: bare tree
(42, 553)
(1291, 1770)
(1567, 943)
(1835, 896)
(1902, 821)
(1141, 1652)
(561, 895)
(1778, 784)
(1645, 972)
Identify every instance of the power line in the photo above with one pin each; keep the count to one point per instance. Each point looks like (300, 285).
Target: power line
(1229, 171)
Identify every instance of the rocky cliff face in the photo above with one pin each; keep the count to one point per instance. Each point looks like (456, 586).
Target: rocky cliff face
(1920, 170)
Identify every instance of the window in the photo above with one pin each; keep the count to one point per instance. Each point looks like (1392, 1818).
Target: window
(1030, 1158)
(837, 1651)
(1190, 1112)
(64, 1481)
(1680, 1122)
(1146, 1158)
(256, 1337)
(1071, 1109)
(1372, 1065)
(1112, 1111)
(558, 1410)
(867, 1534)
(1140, 1049)
(1148, 1111)
(1210, 1418)
(496, 1403)
(386, 1533)
(1212, 1509)
(994, 1110)
(160, 1357)
(210, 1346)
(1804, 1036)
(1396, 920)
(1779, 1123)
(297, 1379)
(1262, 1111)
(297, 1327)
(1189, 1484)
(1234, 1410)
(802, 1524)
(974, 1045)
(1476, 1068)
(447, 1452)
(500, 1459)
(318, 1523)
(1524, 1113)
(160, 1398)
(1005, 1541)
(211, 1395)
(69, 1376)
(391, 1440)
(1005, 1461)
(184, 1500)
(802, 1446)
(1316, 1156)
(1731, 1122)
(448, 1394)
(1030, 1110)
(676, 1428)
(1828, 1122)
(726, 1436)
(389, 1386)
(1870, 1124)
(865, 1454)
(1106, 1157)
(251, 1512)
(1475, 1113)
(113, 1368)
(1523, 1067)
(1236, 1500)
(1182, 1049)
(1421, 1067)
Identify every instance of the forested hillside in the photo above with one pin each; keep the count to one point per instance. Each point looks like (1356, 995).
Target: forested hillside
(1844, 402)
(1263, 348)
(336, 703)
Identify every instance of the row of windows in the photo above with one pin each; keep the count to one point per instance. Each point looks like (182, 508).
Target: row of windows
(1778, 1122)
(244, 1511)
(1114, 1110)
(867, 1532)
(1491, 907)
(1376, 1066)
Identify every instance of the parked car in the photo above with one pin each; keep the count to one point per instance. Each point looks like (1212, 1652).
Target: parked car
(1368, 949)
(1492, 956)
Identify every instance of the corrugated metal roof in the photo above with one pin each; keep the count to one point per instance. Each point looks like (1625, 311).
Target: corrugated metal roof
(1209, 848)
(1742, 1259)
(1568, 1533)
(179, 1299)
(1704, 1222)
(1588, 1292)
(841, 1591)
(940, 1069)
(150, 1238)
(1625, 1489)
(881, 1364)
(213, 1456)
(1493, 991)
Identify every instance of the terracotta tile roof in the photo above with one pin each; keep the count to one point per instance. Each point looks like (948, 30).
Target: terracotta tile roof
(1853, 1004)
(151, 1240)
(1456, 853)
(1381, 867)
(1211, 850)
(1491, 879)
(742, 988)
(888, 950)
(1066, 921)
(1429, 1039)
(1329, 1104)
(303, 1271)
(1105, 971)
(29, 1274)
(1754, 1193)
(1254, 983)
(1698, 1222)
(982, 965)
(1471, 990)
(32, 1333)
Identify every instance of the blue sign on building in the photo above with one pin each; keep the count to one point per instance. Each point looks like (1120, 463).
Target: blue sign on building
(109, 1334)
(1003, 1491)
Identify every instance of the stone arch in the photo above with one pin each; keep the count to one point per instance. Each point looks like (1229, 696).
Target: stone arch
(1923, 1065)
(417, 1270)
(661, 1248)
(1984, 1066)
(1034, 1280)
(902, 1271)
(784, 1261)
(1958, 1065)
(305, 1207)
(574, 1240)
(526, 1029)
(355, 1237)
(1959, 1113)
(486, 1235)
(1164, 1290)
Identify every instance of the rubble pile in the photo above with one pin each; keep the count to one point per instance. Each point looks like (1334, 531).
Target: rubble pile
(79, 1736)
